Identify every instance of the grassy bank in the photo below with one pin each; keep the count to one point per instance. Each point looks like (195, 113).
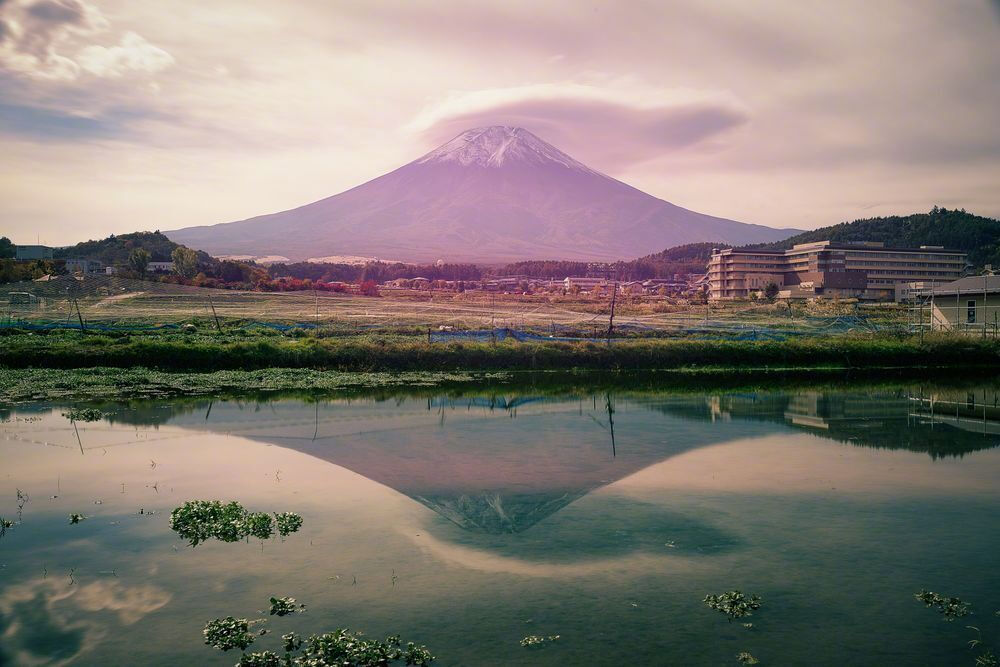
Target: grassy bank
(69, 350)
(100, 385)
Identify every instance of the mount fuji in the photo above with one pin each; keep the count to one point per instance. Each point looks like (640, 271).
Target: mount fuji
(491, 194)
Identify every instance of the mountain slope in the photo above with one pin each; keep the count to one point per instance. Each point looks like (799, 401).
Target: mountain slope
(976, 235)
(490, 194)
(115, 249)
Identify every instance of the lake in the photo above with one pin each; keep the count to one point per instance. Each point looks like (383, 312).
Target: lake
(469, 520)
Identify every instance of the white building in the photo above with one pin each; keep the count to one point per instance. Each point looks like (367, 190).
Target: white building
(160, 267)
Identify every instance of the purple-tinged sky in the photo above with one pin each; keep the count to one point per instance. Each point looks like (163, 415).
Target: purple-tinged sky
(120, 115)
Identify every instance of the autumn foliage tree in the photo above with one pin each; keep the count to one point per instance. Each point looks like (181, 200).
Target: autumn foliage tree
(368, 288)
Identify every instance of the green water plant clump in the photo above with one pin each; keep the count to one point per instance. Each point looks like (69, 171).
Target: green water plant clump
(734, 604)
(285, 606)
(535, 641)
(84, 415)
(950, 608)
(987, 659)
(340, 648)
(343, 647)
(746, 658)
(262, 659)
(76, 518)
(288, 522)
(199, 520)
(228, 633)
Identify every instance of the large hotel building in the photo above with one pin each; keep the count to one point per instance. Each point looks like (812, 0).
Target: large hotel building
(824, 268)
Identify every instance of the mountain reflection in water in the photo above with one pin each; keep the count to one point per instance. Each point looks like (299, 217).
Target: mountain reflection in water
(459, 457)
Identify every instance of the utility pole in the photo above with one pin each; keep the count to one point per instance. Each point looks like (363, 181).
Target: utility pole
(80, 316)
(215, 315)
(985, 290)
(611, 318)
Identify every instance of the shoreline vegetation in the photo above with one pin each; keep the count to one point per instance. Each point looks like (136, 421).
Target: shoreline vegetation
(71, 366)
(369, 353)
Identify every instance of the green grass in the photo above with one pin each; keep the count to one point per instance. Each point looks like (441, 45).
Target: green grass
(71, 365)
(102, 386)
(68, 350)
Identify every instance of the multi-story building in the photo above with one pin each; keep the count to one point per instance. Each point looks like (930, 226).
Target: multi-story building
(824, 268)
(24, 253)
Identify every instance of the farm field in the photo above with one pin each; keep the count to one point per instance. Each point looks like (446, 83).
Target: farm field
(111, 302)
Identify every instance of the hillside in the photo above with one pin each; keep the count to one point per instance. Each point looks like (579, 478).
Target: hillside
(955, 229)
(114, 250)
(688, 258)
(683, 259)
(491, 195)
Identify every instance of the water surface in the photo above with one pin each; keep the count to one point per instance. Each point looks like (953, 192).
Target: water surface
(466, 522)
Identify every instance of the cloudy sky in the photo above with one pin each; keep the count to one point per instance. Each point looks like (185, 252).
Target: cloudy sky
(120, 115)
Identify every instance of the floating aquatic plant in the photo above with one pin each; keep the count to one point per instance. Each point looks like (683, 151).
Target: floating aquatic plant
(734, 604)
(293, 642)
(745, 658)
(84, 415)
(261, 659)
(343, 647)
(288, 522)
(76, 518)
(259, 525)
(285, 606)
(537, 640)
(340, 648)
(950, 608)
(228, 633)
(198, 520)
(987, 659)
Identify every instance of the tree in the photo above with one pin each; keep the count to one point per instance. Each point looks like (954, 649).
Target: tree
(771, 292)
(7, 249)
(368, 288)
(233, 272)
(185, 262)
(138, 260)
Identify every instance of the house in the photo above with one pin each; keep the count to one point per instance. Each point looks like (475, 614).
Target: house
(632, 288)
(968, 304)
(584, 283)
(160, 267)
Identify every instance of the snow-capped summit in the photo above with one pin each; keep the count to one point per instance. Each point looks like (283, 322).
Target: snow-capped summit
(497, 145)
(491, 194)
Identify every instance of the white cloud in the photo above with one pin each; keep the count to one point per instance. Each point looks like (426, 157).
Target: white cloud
(610, 126)
(37, 38)
(133, 54)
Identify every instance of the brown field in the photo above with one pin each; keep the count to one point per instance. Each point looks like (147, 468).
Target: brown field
(122, 301)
